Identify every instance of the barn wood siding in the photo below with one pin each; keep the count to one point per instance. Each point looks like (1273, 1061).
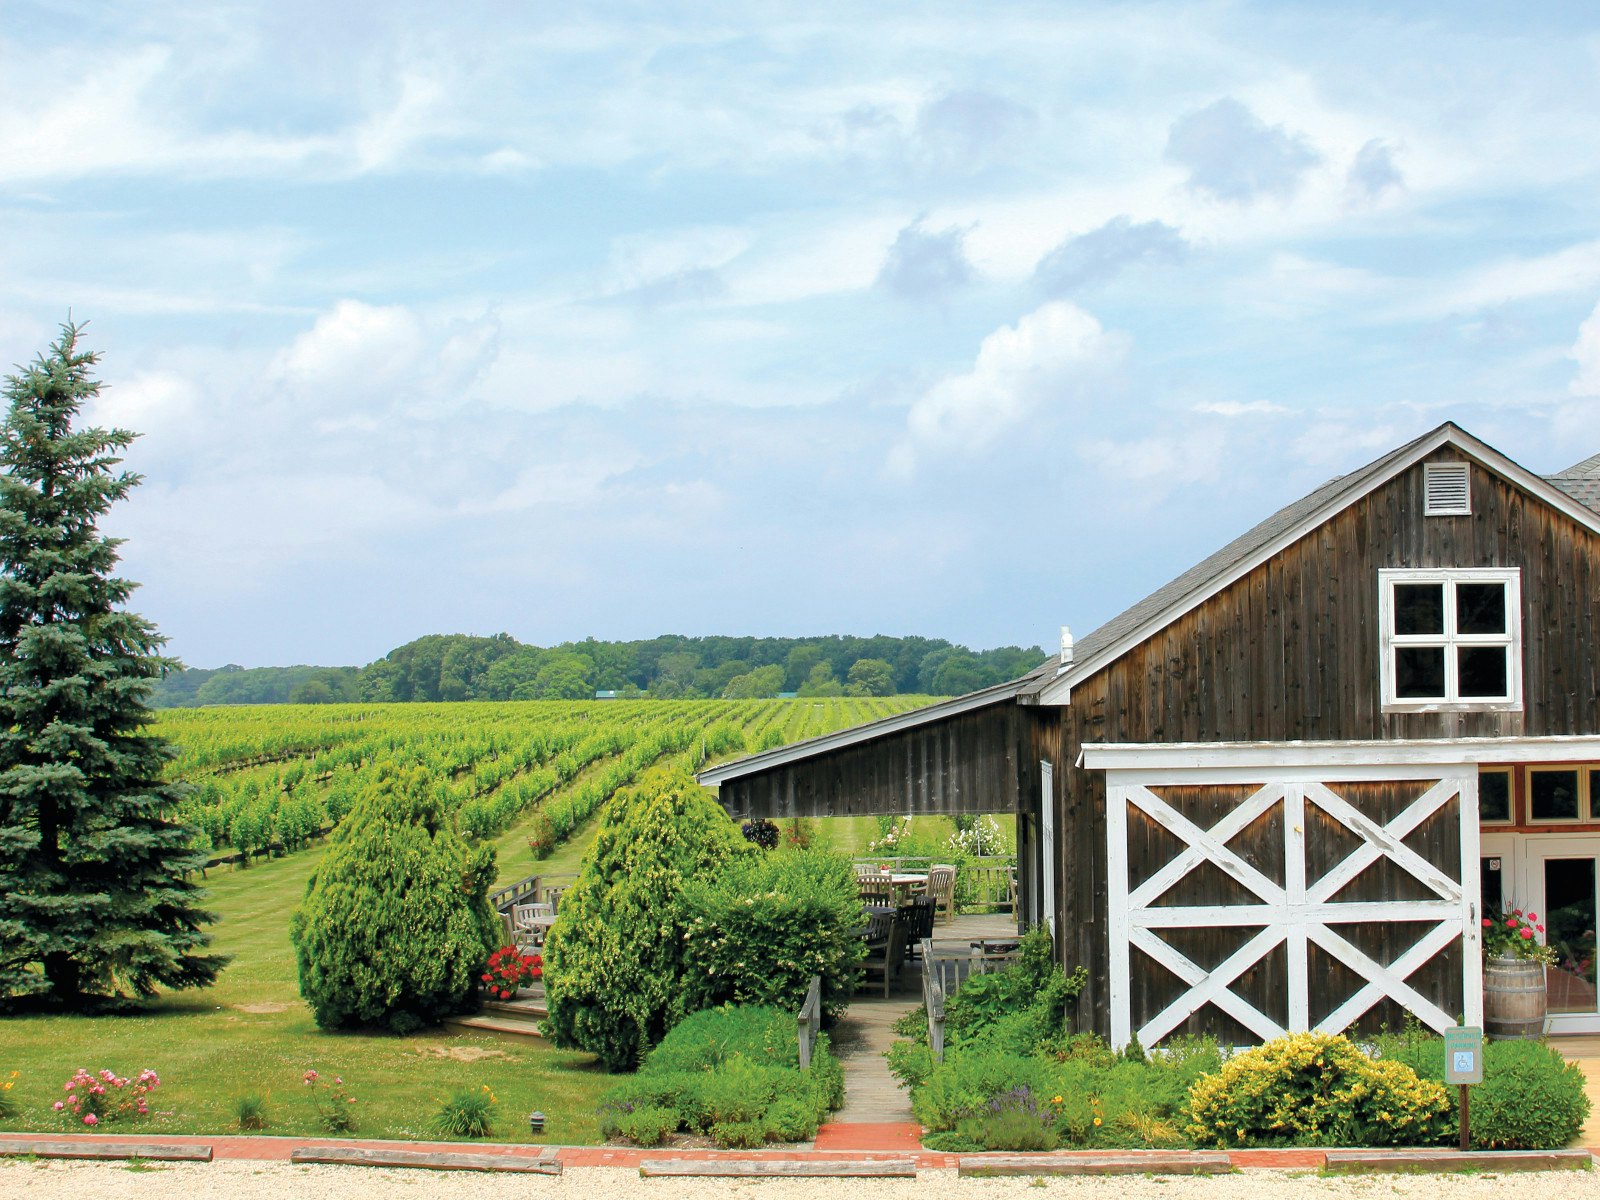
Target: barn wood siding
(973, 762)
(1290, 652)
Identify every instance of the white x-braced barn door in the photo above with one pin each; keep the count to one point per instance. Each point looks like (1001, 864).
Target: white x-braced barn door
(1295, 904)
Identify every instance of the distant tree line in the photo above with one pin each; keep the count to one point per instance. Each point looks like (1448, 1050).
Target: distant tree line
(463, 667)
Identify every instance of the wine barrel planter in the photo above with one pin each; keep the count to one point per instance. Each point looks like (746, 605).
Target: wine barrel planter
(1513, 998)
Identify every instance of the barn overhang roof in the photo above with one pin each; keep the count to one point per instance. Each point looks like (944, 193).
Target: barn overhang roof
(829, 742)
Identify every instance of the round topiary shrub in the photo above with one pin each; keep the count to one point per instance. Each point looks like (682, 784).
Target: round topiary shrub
(1315, 1089)
(396, 924)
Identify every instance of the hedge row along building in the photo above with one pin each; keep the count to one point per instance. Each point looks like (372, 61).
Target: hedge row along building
(1282, 791)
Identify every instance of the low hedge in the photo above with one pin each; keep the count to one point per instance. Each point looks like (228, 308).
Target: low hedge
(1530, 1098)
(732, 1074)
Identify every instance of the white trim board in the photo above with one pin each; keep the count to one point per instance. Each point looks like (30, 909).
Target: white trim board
(1363, 758)
(1058, 690)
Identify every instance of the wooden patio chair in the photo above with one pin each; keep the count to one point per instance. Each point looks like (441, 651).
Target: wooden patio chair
(531, 922)
(875, 889)
(916, 923)
(942, 890)
(883, 950)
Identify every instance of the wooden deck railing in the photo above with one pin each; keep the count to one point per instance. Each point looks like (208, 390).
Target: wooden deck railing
(809, 1021)
(985, 883)
(946, 967)
(528, 890)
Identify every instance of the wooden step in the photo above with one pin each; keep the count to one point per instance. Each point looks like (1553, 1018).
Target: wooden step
(502, 1026)
(799, 1168)
(527, 1010)
(1133, 1162)
(154, 1151)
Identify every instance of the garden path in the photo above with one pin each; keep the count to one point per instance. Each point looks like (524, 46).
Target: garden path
(863, 1036)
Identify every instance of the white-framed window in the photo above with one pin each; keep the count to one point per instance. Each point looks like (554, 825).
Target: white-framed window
(1451, 639)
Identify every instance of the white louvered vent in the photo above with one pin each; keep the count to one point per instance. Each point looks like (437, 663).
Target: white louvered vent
(1445, 486)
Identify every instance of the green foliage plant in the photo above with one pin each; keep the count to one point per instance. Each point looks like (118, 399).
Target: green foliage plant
(97, 898)
(732, 1074)
(8, 1100)
(250, 1111)
(763, 926)
(468, 1113)
(616, 964)
(1315, 1089)
(395, 925)
(1531, 1098)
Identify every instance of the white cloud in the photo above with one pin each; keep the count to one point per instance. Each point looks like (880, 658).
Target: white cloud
(1045, 359)
(1104, 252)
(355, 350)
(1586, 353)
(1238, 408)
(923, 264)
(1373, 172)
(146, 402)
(1233, 155)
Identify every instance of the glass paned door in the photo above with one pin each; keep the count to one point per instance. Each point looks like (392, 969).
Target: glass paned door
(1560, 886)
(1569, 921)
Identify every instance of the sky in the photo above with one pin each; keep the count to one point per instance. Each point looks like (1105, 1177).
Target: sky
(618, 319)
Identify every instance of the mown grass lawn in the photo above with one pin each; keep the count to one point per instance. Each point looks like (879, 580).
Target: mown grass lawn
(251, 1033)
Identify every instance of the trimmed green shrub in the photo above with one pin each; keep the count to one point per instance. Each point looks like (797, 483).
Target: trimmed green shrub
(765, 925)
(649, 1126)
(395, 925)
(705, 1040)
(1315, 1089)
(1530, 1098)
(616, 970)
(732, 1073)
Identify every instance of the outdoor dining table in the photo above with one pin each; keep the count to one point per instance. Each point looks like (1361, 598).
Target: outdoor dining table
(904, 882)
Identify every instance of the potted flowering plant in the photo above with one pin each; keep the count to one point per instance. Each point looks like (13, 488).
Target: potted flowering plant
(509, 969)
(1515, 958)
(1515, 934)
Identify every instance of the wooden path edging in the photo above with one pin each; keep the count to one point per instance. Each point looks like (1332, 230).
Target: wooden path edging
(794, 1168)
(1350, 1162)
(1149, 1162)
(432, 1160)
(154, 1151)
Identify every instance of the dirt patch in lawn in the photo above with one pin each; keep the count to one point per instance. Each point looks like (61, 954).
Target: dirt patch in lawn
(461, 1053)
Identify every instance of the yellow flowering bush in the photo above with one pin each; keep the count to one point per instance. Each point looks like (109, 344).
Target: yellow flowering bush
(1315, 1089)
(8, 1104)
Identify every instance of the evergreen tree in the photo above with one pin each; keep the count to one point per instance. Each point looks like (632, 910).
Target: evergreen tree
(396, 924)
(94, 896)
(616, 961)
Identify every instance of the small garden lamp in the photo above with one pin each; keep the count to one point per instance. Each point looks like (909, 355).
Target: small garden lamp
(536, 1122)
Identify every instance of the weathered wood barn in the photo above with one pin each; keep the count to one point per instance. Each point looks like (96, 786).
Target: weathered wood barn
(1282, 791)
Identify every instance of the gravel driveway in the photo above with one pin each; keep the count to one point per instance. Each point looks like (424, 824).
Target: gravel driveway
(236, 1180)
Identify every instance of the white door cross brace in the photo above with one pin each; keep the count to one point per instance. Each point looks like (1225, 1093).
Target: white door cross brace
(1295, 914)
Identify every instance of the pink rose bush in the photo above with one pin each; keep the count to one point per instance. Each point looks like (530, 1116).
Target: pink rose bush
(91, 1099)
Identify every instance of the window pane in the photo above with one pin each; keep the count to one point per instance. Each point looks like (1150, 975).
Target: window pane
(1418, 608)
(1553, 795)
(1481, 671)
(1480, 608)
(1419, 672)
(1494, 796)
(1491, 888)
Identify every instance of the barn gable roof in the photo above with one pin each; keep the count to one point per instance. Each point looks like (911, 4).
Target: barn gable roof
(1050, 684)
